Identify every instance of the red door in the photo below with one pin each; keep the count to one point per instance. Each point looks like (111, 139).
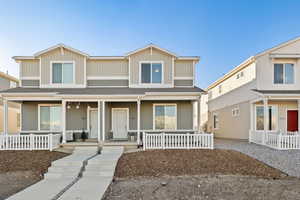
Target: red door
(292, 120)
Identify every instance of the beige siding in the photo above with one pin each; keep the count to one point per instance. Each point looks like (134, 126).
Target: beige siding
(145, 55)
(107, 68)
(249, 74)
(184, 68)
(183, 83)
(105, 83)
(234, 127)
(56, 55)
(12, 120)
(30, 68)
(265, 73)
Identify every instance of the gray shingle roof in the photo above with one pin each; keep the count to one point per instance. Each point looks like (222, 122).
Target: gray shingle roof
(100, 91)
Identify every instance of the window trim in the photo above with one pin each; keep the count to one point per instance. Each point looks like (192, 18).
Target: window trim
(164, 104)
(284, 63)
(217, 127)
(236, 108)
(150, 62)
(277, 118)
(62, 84)
(39, 116)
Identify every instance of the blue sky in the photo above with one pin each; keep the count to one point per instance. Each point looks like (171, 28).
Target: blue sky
(222, 32)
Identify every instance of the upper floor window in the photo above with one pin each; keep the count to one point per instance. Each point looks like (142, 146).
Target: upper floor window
(151, 72)
(62, 72)
(283, 73)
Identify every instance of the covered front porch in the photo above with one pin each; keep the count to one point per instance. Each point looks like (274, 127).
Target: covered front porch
(109, 121)
(274, 121)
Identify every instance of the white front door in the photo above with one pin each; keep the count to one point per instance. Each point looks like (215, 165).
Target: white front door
(120, 123)
(93, 124)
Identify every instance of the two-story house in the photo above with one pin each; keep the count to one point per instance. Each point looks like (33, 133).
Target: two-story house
(113, 98)
(261, 94)
(12, 110)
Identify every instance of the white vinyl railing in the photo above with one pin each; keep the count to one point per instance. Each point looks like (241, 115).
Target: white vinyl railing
(177, 141)
(29, 142)
(281, 141)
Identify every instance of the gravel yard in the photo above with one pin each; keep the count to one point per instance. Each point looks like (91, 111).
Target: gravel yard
(286, 161)
(19, 169)
(198, 174)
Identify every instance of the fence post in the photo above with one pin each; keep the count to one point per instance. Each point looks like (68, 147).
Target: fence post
(162, 139)
(50, 141)
(212, 141)
(31, 139)
(188, 141)
(279, 141)
(144, 141)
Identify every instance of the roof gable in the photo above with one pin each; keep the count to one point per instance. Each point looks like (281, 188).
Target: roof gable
(62, 46)
(151, 46)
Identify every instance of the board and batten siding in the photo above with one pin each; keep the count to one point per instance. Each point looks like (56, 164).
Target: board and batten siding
(146, 55)
(56, 55)
(30, 68)
(107, 68)
(184, 68)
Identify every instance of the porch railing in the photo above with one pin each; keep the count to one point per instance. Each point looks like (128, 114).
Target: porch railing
(177, 141)
(281, 141)
(29, 142)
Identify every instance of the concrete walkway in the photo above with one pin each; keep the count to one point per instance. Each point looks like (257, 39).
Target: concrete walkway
(61, 174)
(287, 161)
(97, 176)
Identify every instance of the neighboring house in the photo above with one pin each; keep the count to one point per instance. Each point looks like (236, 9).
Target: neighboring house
(13, 109)
(261, 94)
(113, 98)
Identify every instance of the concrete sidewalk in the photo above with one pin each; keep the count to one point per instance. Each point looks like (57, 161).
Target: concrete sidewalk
(61, 174)
(97, 176)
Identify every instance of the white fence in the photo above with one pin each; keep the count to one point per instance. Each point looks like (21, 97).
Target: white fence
(177, 141)
(281, 141)
(29, 142)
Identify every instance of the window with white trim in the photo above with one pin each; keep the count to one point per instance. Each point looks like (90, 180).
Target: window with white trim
(236, 111)
(271, 120)
(165, 117)
(50, 117)
(215, 121)
(62, 72)
(151, 72)
(283, 73)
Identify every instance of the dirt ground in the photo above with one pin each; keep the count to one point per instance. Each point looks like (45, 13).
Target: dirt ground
(198, 174)
(192, 162)
(20, 169)
(220, 187)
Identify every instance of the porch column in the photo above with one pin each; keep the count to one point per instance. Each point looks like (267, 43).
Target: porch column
(195, 115)
(5, 117)
(199, 114)
(138, 120)
(63, 120)
(298, 114)
(266, 115)
(103, 121)
(99, 122)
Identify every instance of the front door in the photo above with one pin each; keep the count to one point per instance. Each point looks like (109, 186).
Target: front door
(292, 120)
(120, 123)
(93, 124)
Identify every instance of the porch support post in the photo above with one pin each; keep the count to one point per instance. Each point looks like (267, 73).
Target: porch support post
(5, 117)
(99, 121)
(298, 114)
(251, 121)
(195, 115)
(103, 121)
(63, 120)
(138, 120)
(266, 116)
